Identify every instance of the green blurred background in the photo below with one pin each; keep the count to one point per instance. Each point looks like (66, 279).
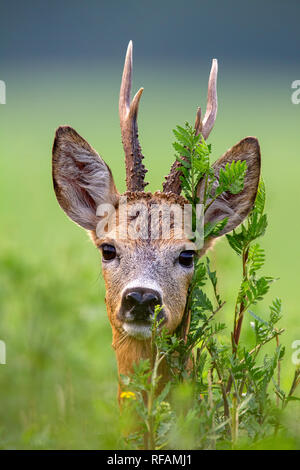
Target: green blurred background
(62, 64)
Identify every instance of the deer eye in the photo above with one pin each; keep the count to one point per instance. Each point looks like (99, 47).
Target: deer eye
(186, 258)
(108, 252)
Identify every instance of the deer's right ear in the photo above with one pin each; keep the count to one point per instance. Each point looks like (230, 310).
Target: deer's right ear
(235, 207)
(81, 179)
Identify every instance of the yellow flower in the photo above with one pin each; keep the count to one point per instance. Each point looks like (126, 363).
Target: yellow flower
(128, 395)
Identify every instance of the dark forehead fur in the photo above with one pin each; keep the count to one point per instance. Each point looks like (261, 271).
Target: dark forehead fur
(148, 199)
(152, 198)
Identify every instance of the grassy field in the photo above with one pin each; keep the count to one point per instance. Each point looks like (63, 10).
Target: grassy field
(58, 388)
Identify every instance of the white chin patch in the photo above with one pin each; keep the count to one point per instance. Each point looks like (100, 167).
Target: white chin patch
(137, 331)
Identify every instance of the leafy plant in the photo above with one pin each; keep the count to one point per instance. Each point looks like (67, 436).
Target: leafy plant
(220, 391)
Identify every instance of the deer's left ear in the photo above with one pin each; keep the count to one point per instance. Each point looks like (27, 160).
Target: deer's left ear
(82, 180)
(235, 206)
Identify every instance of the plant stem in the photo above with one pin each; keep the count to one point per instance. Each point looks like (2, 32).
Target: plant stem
(259, 346)
(238, 318)
(295, 383)
(278, 372)
(238, 326)
(211, 403)
(150, 418)
(223, 390)
(234, 420)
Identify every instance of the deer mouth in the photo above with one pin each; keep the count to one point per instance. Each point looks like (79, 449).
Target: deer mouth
(139, 329)
(142, 328)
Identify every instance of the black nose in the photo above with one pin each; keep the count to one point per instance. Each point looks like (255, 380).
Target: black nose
(139, 303)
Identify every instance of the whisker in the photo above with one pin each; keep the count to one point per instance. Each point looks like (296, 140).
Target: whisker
(121, 340)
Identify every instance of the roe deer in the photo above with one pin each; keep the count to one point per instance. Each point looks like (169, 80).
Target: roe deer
(141, 272)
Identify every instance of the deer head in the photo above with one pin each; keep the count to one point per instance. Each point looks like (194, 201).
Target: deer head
(142, 271)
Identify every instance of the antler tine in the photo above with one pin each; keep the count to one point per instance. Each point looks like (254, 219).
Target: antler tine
(173, 183)
(212, 101)
(135, 170)
(198, 122)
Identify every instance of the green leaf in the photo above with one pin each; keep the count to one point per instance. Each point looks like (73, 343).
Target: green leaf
(213, 229)
(260, 198)
(231, 178)
(256, 258)
(275, 311)
(213, 278)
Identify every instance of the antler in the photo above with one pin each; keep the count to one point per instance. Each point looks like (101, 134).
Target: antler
(135, 170)
(204, 127)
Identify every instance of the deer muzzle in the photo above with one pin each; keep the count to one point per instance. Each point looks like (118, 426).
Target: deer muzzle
(137, 311)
